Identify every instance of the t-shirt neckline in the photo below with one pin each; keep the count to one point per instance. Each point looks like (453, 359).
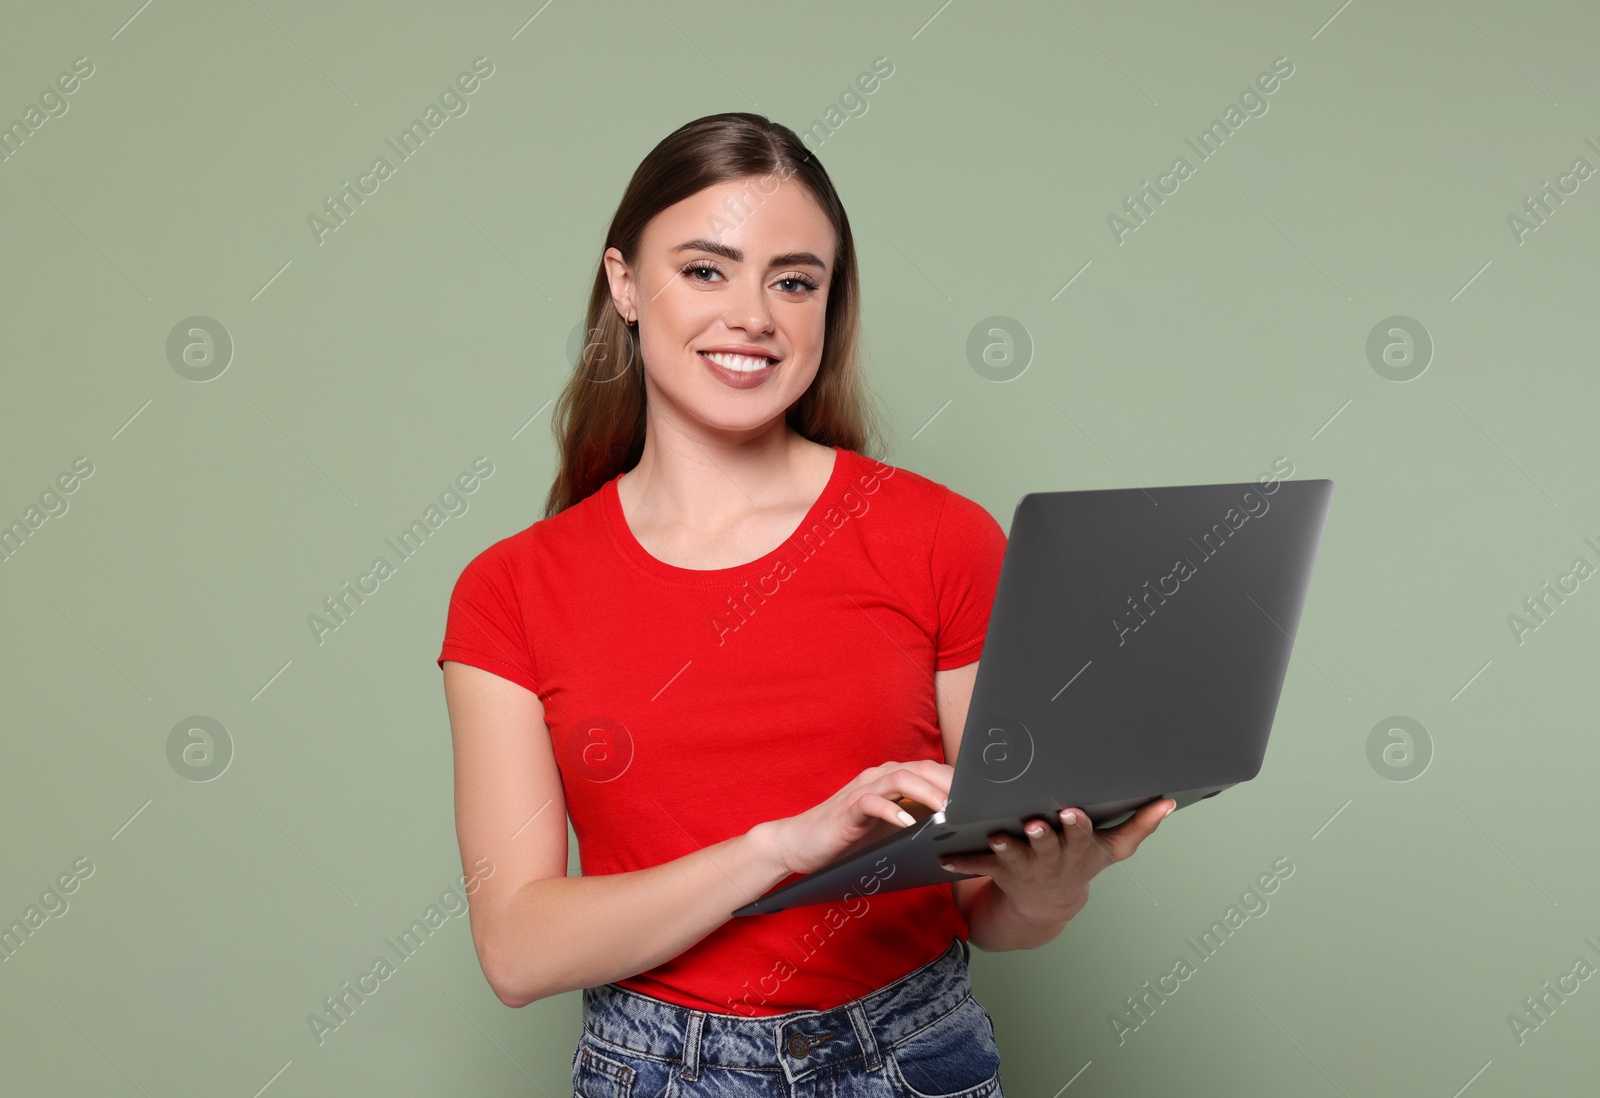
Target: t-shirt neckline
(636, 554)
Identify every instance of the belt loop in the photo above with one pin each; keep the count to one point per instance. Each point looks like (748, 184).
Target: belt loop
(863, 1028)
(691, 1044)
(966, 952)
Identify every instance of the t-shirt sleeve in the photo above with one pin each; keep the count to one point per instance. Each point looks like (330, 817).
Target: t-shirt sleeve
(968, 547)
(484, 624)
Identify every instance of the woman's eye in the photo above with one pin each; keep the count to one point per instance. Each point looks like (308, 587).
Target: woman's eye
(795, 283)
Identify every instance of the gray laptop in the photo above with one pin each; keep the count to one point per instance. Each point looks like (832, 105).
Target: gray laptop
(1136, 650)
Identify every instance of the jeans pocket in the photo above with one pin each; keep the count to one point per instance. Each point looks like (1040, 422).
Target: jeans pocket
(603, 1070)
(953, 1057)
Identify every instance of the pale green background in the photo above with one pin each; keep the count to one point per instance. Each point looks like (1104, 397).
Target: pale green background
(432, 329)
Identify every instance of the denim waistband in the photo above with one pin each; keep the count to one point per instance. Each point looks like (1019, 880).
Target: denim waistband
(799, 1042)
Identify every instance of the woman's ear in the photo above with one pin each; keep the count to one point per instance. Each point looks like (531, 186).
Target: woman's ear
(622, 285)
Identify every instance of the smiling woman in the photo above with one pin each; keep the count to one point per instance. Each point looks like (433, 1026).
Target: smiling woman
(714, 439)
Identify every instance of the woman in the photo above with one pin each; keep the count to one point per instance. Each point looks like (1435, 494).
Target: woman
(735, 647)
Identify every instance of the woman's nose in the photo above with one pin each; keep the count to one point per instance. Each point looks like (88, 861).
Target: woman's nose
(751, 311)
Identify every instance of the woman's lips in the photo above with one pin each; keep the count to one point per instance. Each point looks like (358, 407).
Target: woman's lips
(739, 379)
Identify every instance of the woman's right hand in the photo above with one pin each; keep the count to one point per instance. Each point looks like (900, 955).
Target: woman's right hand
(821, 835)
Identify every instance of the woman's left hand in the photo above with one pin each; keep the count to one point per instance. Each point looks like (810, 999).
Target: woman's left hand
(1046, 877)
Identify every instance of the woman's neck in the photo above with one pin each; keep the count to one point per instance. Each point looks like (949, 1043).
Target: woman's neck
(688, 501)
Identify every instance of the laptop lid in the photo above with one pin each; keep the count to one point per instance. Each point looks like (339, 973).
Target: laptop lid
(1137, 645)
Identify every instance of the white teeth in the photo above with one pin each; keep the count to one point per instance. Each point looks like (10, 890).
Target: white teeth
(745, 364)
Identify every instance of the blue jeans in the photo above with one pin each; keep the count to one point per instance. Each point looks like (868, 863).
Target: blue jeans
(923, 1035)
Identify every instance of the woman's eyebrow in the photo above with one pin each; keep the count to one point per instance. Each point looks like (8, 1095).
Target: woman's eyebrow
(788, 259)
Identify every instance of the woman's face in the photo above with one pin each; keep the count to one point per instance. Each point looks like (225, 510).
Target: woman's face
(730, 289)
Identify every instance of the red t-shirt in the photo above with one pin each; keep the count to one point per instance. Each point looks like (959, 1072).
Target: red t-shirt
(686, 706)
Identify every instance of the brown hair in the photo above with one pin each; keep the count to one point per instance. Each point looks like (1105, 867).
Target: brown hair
(599, 419)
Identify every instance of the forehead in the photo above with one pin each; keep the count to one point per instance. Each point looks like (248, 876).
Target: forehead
(759, 216)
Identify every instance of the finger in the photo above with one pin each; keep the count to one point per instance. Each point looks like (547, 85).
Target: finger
(1079, 829)
(938, 774)
(978, 865)
(871, 805)
(1144, 821)
(1124, 839)
(932, 769)
(914, 785)
(1077, 823)
(1008, 850)
(1042, 839)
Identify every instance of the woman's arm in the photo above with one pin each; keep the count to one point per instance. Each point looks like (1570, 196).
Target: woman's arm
(537, 931)
(994, 925)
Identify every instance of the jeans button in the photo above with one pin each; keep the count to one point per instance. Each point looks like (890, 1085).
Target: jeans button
(798, 1045)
